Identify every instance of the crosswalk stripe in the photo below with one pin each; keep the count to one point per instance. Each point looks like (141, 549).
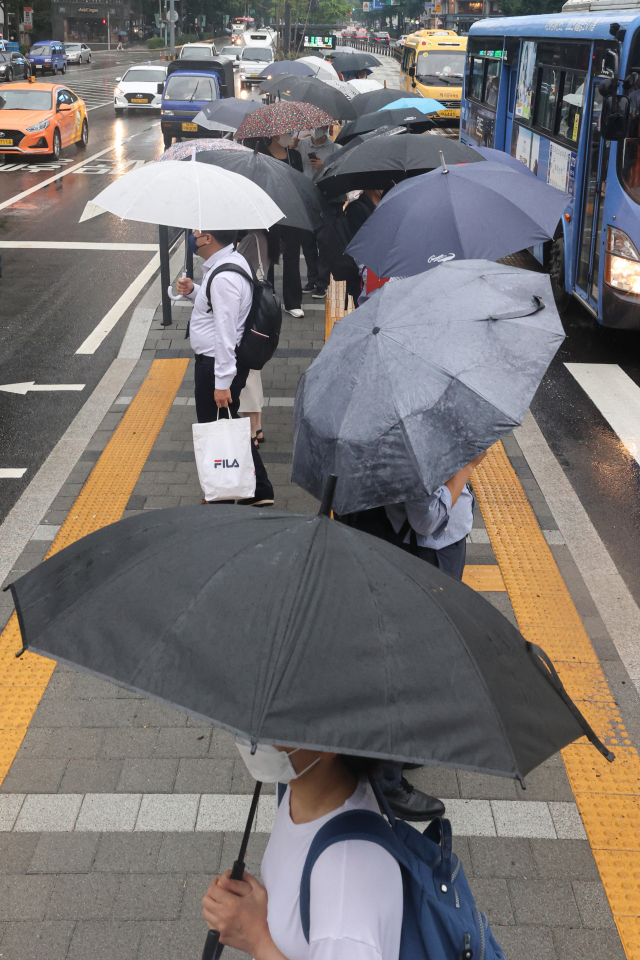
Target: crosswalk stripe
(617, 398)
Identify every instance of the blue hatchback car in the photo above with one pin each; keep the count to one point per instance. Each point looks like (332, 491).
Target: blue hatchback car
(48, 55)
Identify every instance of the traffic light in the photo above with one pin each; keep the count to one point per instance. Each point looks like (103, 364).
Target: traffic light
(104, 21)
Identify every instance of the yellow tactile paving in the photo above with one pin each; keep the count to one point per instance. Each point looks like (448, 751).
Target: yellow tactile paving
(484, 577)
(606, 794)
(101, 501)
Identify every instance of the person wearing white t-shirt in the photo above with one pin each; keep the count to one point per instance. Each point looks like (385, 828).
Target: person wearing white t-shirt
(356, 886)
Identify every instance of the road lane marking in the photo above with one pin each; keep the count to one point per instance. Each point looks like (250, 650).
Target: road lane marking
(617, 398)
(45, 183)
(12, 473)
(76, 245)
(110, 319)
(32, 386)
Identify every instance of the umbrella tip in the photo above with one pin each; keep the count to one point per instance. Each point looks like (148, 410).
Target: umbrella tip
(327, 500)
(444, 166)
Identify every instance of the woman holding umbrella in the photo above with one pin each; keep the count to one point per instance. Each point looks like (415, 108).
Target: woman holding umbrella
(356, 887)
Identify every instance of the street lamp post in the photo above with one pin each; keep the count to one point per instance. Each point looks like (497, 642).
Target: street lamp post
(172, 28)
(108, 30)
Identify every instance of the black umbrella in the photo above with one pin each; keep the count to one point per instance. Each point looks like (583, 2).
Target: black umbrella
(225, 114)
(405, 116)
(296, 195)
(343, 643)
(375, 99)
(354, 61)
(290, 67)
(382, 161)
(311, 90)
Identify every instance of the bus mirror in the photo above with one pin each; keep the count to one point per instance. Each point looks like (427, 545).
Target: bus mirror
(614, 118)
(412, 72)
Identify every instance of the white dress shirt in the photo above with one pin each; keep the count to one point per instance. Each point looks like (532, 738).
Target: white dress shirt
(436, 523)
(324, 151)
(217, 332)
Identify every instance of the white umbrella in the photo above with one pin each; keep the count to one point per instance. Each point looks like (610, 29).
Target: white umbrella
(318, 66)
(366, 84)
(195, 195)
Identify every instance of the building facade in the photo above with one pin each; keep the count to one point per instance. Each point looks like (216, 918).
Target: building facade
(458, 15)
(87, 22)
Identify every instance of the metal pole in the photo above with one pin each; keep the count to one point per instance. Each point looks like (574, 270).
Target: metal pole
(108, 30)
(165, 275)
(188, 256)
(172, 49)
(286, 34)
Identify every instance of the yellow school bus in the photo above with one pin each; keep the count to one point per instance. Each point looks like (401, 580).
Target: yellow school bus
(433, 65)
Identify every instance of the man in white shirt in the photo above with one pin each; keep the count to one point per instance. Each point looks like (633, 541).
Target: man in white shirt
(215, 332)
(315, 151)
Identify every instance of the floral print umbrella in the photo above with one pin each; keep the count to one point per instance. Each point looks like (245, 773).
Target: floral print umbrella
(184, 150)
(279, 118)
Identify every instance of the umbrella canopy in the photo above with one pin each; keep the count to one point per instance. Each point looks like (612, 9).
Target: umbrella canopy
(345, 643)
(399, 240)
(338, 50)
(420, 379)
(296, 195)
(290, 67)
(364, 85)
(421, 104)
(374, 99)
(354, 61)
(318, 65)
(278, 118)
(381, 162)
(416, 119)
(311, 90)
(186, 149)
(194, 195)
(225, 114)
(499, 156)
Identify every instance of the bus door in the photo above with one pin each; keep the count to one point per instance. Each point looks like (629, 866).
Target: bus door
(592, 203)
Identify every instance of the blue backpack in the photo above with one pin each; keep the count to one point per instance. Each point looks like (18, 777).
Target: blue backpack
(440, 918)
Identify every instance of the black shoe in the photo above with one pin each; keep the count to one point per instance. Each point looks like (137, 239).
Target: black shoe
(210, 502)
(256, 502)
(308, 288)
(319, 293)
(410, 804)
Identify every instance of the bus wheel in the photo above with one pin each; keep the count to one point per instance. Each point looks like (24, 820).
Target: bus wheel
(556, 273)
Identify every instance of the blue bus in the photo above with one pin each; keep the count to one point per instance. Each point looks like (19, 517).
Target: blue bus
(561, 93)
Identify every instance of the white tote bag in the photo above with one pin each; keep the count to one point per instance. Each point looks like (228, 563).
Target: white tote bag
(223, 458)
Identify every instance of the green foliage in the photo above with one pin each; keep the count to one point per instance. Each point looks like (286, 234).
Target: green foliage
(524, 8)
(187, 38)
(41, 20)
(24, 48)
(329, 11)
(155, 43)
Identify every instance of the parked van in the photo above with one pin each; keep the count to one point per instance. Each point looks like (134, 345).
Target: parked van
(48, 55)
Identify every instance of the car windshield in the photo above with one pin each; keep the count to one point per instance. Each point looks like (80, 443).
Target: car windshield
(197, 52)
(257, 53)
(72, 46)
(189, 88)
(144, 76)
(229, 52)
(4, 59)
(442, 64)
(25, 100)
(40, 51)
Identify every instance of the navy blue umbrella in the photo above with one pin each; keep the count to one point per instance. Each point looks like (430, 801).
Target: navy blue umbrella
(291, 67)
(470, 211)
(499, 156)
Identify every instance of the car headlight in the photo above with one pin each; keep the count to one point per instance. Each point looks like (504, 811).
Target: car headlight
(3, 69)
(118, 91)
(167, 113)
(48, 60)
(622, 266)
(38, 126)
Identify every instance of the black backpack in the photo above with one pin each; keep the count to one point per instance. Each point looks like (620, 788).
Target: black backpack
(262, 326)
(376, 523)
(333, 237)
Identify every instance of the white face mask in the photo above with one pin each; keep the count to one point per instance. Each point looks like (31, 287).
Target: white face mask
(269, 765)
(320, 132)
(285, 140)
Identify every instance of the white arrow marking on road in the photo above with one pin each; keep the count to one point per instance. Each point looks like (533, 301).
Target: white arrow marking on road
(33, 386)
(12, 473)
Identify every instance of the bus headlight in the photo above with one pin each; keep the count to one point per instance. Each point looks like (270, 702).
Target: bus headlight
(622, 266)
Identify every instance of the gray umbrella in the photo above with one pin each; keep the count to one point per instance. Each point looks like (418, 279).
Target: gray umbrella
(423, 377)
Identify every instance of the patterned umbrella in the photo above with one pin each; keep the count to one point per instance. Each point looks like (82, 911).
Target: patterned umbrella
(282, 117)
(184, 150)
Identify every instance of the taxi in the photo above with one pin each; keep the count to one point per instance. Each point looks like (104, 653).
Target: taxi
(41, 118)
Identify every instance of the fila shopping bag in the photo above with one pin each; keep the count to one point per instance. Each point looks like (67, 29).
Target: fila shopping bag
(223, 458)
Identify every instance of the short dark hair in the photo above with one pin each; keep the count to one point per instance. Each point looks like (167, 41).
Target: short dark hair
(223, 237)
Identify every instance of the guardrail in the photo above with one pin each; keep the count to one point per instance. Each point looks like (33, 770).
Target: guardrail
(382, 49)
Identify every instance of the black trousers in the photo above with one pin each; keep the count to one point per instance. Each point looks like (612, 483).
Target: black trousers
(291, 282)
(207, 410)
(318, 272)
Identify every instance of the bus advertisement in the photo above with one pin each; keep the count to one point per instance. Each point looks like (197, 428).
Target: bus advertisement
(561, 93)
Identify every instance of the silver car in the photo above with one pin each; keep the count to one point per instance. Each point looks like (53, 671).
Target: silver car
(78, 53)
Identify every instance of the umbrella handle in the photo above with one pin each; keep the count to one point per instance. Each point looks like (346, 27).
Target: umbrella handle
(212, 946)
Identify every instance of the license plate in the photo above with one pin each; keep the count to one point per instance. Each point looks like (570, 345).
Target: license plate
(139, 100)
(447, 113)
(189, 126)
(6, 143)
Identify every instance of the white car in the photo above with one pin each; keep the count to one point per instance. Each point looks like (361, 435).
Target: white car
(77, 53)
(139, 89)
(232, 53)
(253, 60)
(198, 51)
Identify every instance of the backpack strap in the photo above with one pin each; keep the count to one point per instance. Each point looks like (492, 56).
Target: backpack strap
(352, 825)
(282, 789)
(226, 268)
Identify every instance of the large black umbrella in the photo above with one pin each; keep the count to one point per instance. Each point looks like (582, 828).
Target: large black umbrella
(290, 67)
(382, 161)
(405, 116)
(311, 90)
(298, 197)
(373, 100)
(420, 379)
(354, 61)
(225, 114)
(475, 210)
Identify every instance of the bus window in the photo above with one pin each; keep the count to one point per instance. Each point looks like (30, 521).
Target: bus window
(571, 105)
(492, 81)
(476, 77)
(407, 55)
(547, 98)
(441, 65)
(630, 164)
